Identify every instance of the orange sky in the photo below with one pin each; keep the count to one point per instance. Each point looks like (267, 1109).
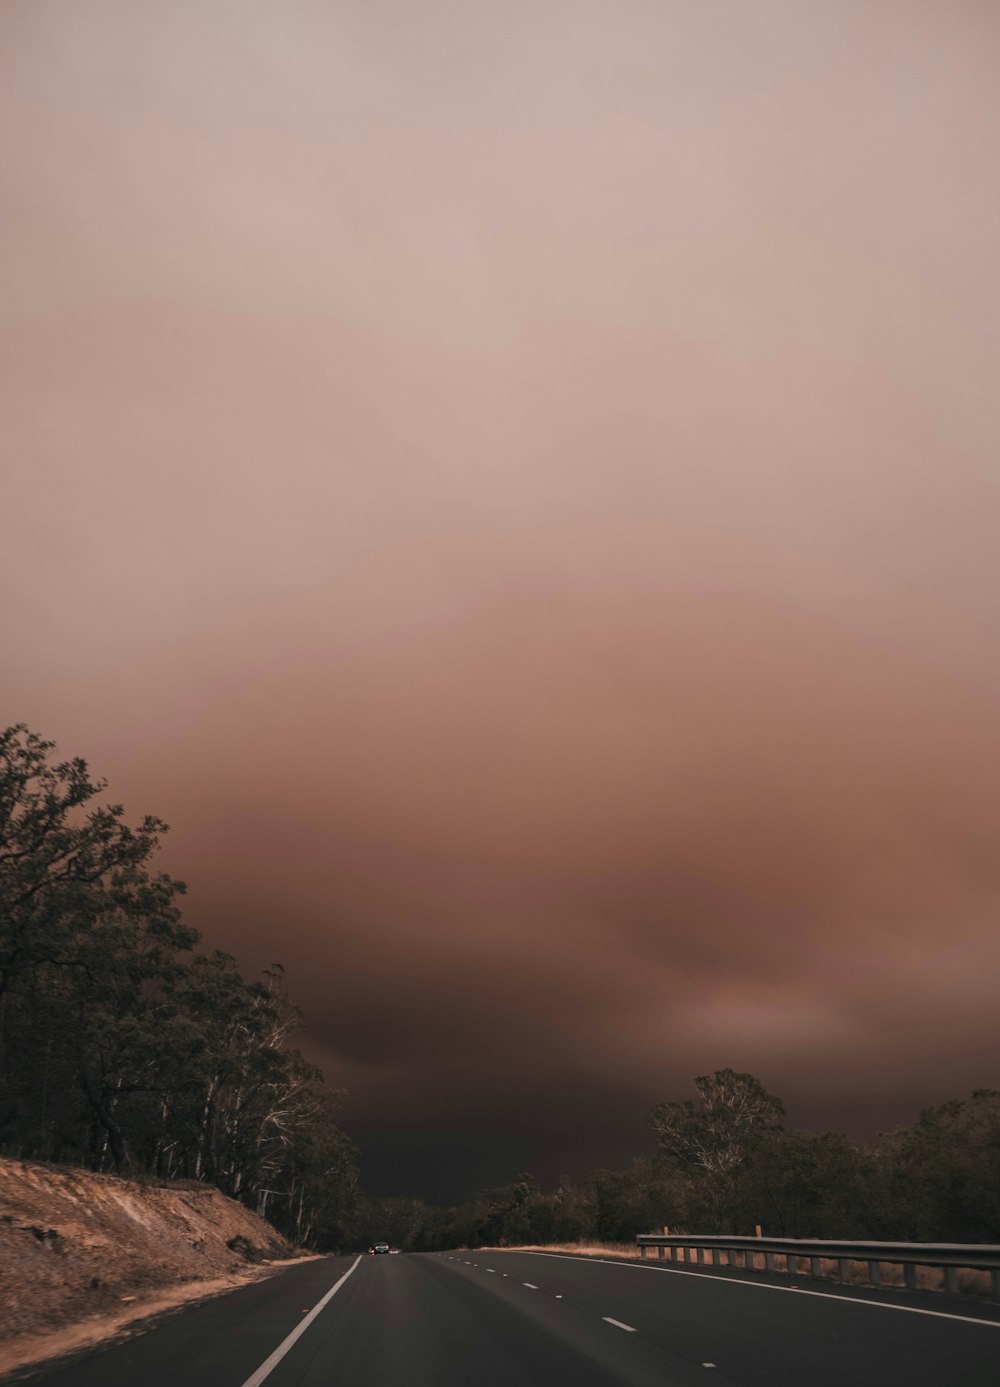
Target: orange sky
(516, 486)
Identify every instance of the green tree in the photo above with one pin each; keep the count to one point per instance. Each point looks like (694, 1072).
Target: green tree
(121, 1047)
(804, 1185)
(59, 858)
(712, 1138)
(651, 1192)
(940, 1178)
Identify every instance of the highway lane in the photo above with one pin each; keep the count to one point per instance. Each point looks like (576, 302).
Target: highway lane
(757, 1330)
(220, 1341)
(505, 1319)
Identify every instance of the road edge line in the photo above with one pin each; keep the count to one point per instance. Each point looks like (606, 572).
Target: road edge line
(269, 1364)
(761, 1286)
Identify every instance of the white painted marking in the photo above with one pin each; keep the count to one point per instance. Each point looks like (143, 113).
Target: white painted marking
(269, 1364)
(558, 1297)
(630, 1329)
(529, 1285)
(491, 1269)
(708, 1365)
(765, 1286)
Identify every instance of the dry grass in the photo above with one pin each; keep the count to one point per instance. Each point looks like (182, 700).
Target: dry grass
(627, 1250)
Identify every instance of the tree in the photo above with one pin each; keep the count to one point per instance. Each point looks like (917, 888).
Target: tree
(804, 1185)
(61, 863)
(123, 1048)
(940, 1178)
(716, 1135)
(642, 1198)
(515, 1213)
(116, 1009)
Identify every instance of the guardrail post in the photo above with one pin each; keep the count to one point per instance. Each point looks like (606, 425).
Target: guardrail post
(843, 1270)
(661, 1252)
(875, 1272)
(951, 1280)
(995, 1276)
(769, 1261)
(815, 1267)
(910, 1275)
(642, 1252)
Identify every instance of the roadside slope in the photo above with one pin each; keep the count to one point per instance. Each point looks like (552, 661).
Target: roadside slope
(75, 1245)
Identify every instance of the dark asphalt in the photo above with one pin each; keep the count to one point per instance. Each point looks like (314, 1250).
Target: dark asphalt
(469, 1317)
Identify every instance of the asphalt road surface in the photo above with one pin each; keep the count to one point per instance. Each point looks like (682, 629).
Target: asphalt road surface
(510, 1319)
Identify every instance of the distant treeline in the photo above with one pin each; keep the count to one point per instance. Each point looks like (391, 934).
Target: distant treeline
(124, 1049)
(728, 1162)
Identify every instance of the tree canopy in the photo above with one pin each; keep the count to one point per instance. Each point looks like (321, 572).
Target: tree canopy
(121, 1046)
(719, 1131)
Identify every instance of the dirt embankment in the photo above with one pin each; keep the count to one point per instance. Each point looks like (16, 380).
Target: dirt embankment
(94, 1252)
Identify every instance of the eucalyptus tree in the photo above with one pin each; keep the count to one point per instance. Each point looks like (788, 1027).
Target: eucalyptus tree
(712, 1138)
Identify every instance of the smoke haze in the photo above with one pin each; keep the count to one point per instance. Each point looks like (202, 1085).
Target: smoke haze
(516, 488)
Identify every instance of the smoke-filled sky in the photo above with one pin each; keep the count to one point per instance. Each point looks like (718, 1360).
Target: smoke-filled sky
(516, 486)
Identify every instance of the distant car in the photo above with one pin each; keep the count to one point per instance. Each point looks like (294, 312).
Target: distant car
(380, 1247)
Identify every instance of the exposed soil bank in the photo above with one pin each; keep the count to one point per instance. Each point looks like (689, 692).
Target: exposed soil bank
(82, 1255)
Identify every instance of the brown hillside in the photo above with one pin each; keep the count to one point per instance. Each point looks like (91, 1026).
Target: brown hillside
(75, 1245)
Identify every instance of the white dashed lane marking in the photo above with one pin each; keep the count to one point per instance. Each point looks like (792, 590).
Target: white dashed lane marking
(629, 1328)
(529, 1285)
(768, 1286)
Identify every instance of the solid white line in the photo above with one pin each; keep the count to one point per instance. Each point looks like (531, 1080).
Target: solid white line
(269, 1364)
(618, 1324)
(529, 1285)
(765, 1286)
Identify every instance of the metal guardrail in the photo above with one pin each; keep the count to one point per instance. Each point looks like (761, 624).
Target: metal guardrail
(949, 1258)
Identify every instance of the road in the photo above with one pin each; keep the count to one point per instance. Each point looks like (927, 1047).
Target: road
(506, 1319)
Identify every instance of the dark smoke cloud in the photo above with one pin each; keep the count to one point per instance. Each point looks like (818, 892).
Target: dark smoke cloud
(521, 499)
